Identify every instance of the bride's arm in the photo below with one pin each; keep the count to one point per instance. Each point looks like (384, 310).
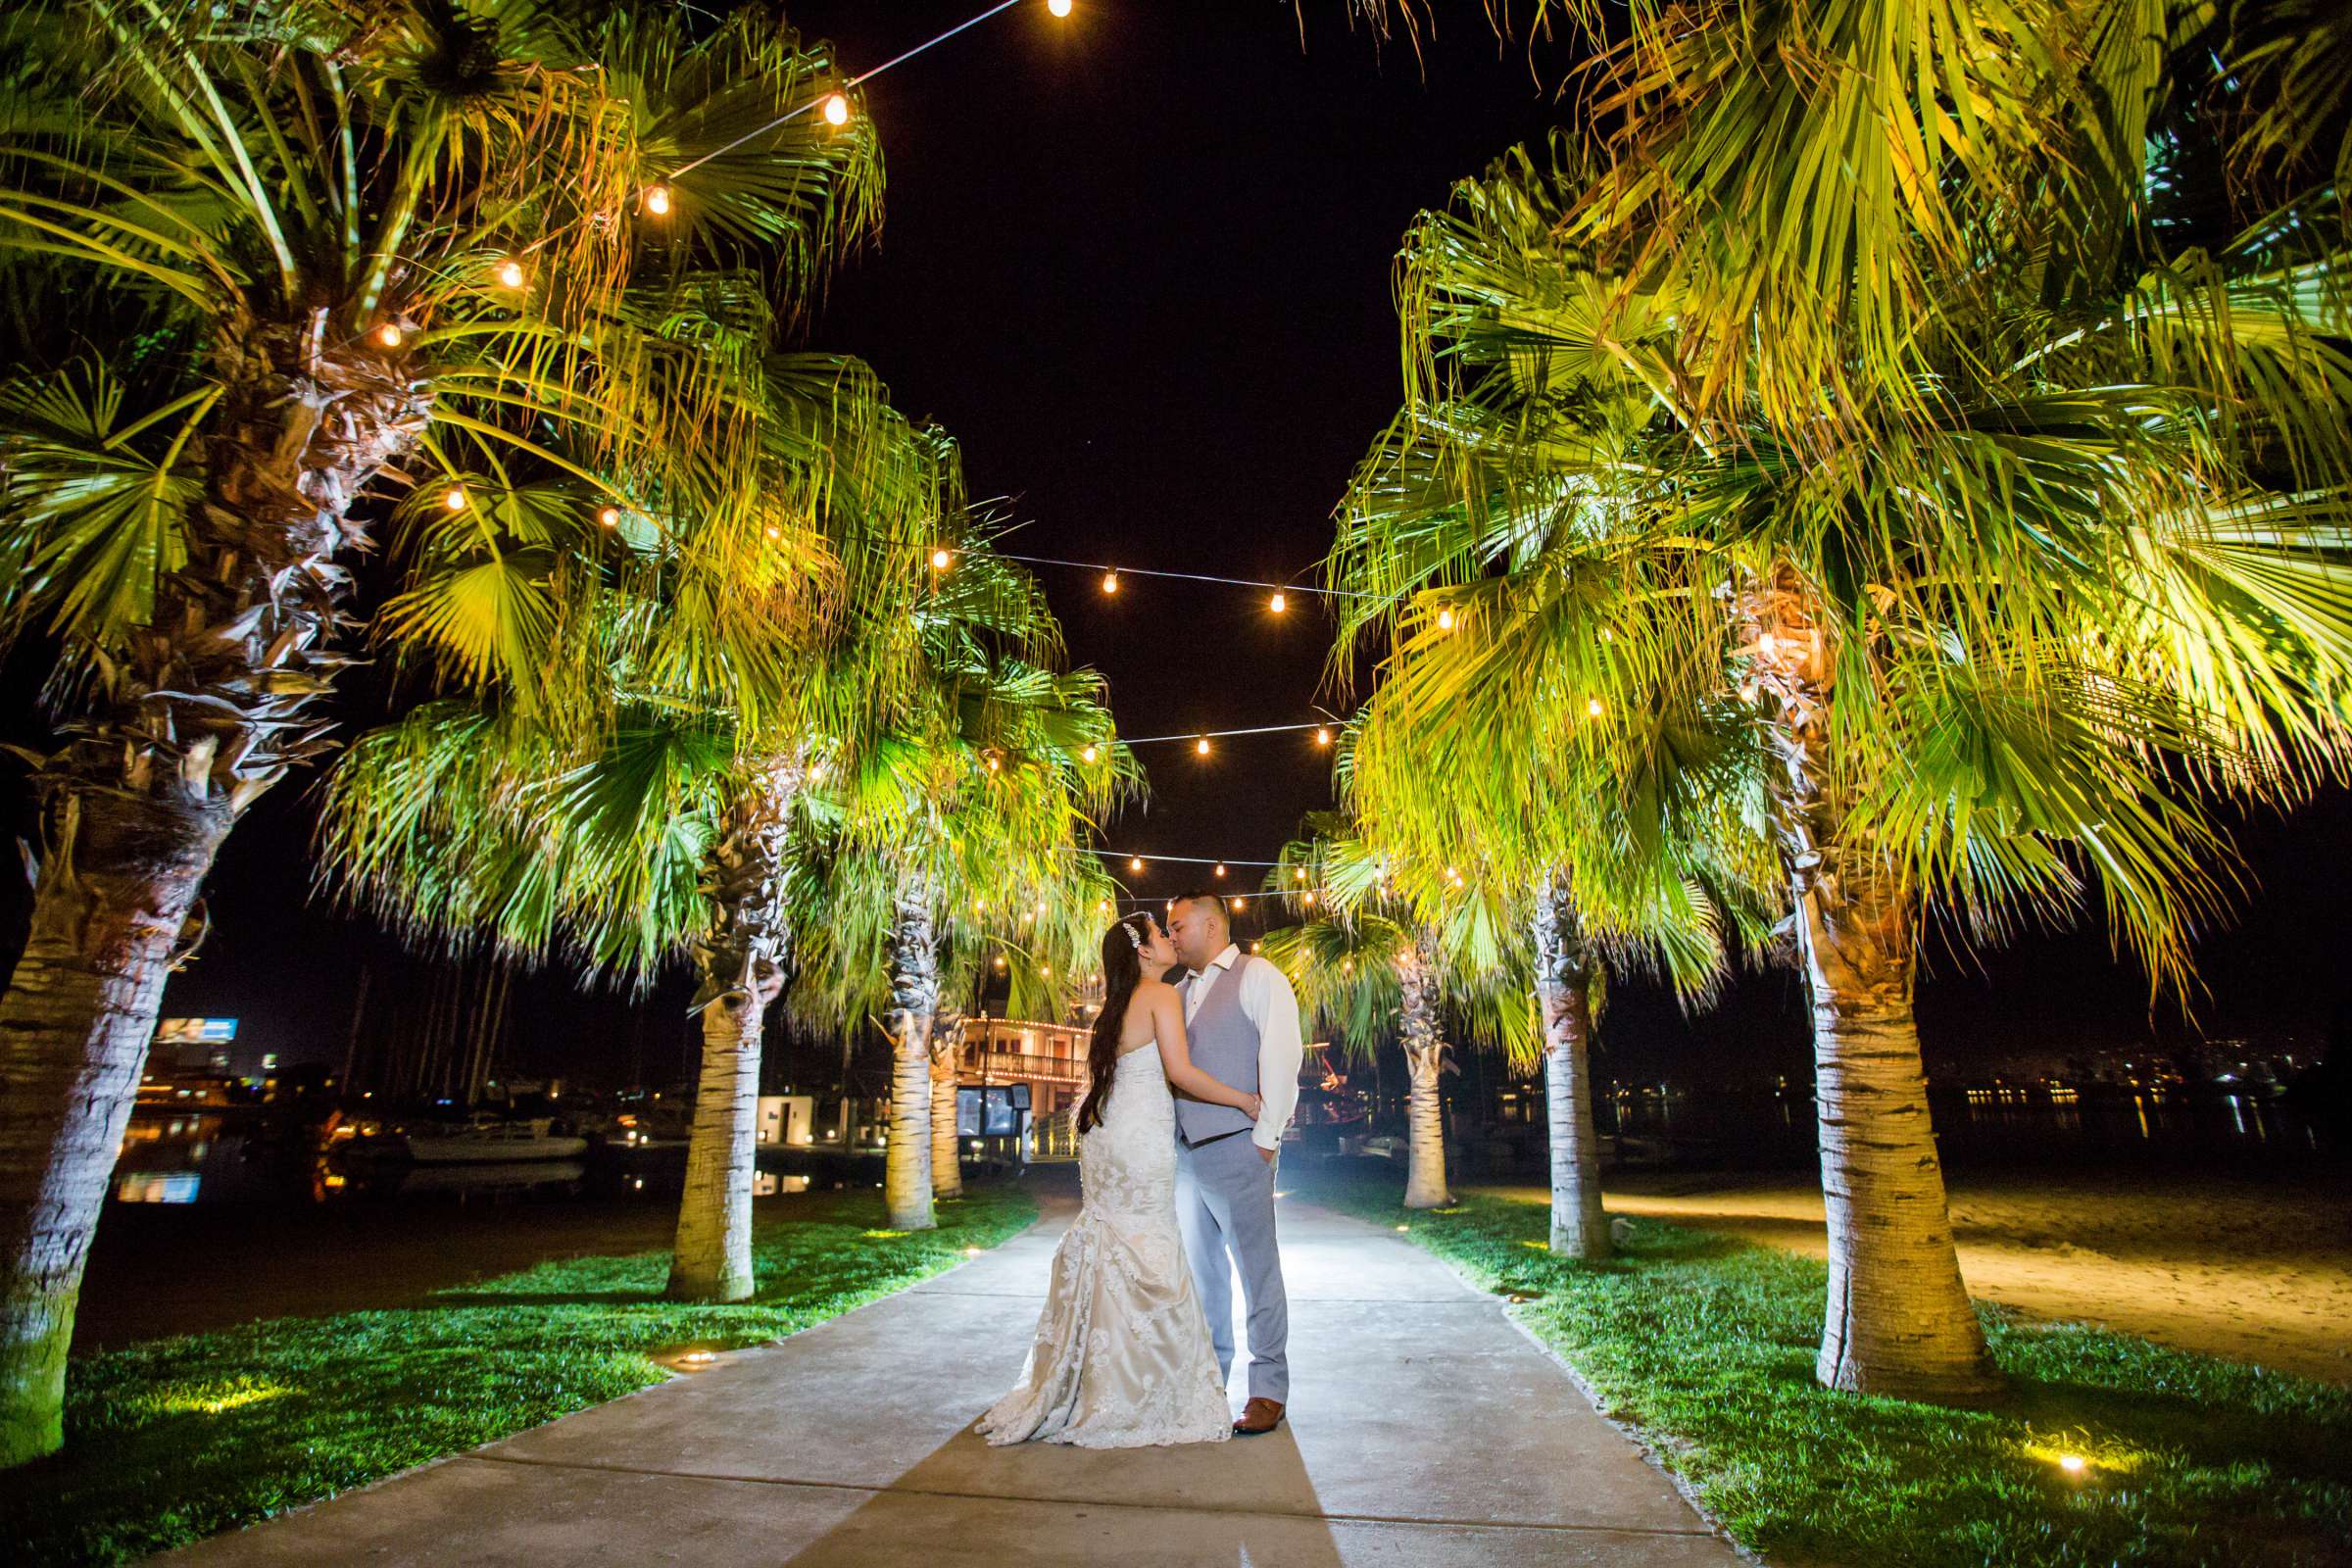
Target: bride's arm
(1167, 1027)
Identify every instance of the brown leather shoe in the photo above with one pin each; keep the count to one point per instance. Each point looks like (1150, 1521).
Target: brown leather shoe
(1258, 1416)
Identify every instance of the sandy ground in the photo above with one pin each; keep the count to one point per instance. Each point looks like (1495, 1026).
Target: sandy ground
(2256, 1271)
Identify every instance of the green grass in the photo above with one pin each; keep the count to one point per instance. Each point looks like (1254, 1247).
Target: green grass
(170, 1441)
(1705, 1343)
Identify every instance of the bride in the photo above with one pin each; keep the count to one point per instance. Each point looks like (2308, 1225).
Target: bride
(1122, 1354)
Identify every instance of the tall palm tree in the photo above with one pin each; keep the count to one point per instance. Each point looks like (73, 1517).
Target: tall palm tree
(329, 251)
(1989, 606)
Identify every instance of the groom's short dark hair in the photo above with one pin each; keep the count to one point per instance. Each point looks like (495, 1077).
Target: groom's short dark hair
(1214, 900)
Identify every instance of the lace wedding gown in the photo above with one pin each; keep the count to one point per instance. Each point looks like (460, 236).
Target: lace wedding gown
(1122, 1357)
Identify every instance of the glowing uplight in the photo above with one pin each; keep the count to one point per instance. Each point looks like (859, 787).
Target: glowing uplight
(1110, 582)
(608, 516)
(656, 200)
(454, 498)
(2071, 1463)
(941, 560)
(389, 335)
(510, 273)
(1278, 603)
(837, 110)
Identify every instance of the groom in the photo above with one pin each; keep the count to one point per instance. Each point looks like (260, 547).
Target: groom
(1241, 1023)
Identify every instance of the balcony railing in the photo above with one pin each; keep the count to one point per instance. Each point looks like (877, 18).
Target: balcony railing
(1036, 1069)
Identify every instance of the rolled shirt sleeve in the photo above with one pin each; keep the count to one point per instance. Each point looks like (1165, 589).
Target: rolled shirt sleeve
(1268, 1001)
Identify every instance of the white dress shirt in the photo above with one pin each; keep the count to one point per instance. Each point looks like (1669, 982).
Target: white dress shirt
(1267, 1002)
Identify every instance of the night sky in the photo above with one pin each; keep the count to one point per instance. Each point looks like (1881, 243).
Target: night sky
(1138, 263)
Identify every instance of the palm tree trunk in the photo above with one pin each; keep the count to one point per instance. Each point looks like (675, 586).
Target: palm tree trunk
(1564, 986)
(742, 966)
(1425, 1109)
(947, 1044)
(110, 904)
(1898, 1322)
(914, 1001)
(205, 708)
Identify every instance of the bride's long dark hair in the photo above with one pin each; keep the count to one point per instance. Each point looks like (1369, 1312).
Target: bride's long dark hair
(1122, 971)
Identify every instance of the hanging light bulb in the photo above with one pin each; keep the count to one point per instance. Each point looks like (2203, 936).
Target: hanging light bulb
(1322, 737)
(837, 110)
(1202, 746)
(1220, 868)
(774, 533)
(454, 498)
(1308, 898)
(1298, 873)
(389, 335)
(1279, 603)
(1445, 621)
(1594, 707)
(994, 762)
(608, 516)
(1237, 906)
(1451, 873)
(1000, 960)
(1135, 863)
(940, 560)
(656, 200)
(1087, 756)
(1110, 582)
(1103, 907)
(510, 273)
(1059, 8)
(1045, 973)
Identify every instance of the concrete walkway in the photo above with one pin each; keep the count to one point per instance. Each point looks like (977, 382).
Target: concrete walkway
(1427, 1431)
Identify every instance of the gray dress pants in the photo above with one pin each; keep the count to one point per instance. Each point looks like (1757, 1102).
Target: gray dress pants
(1225, 1208)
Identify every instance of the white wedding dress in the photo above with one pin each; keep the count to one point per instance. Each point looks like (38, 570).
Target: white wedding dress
(1122, 1357)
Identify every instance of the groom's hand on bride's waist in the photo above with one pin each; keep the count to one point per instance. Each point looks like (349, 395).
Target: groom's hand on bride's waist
(1263, 1152)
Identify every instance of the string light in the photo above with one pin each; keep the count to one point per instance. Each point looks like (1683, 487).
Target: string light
(1308, 898)
(1110, 582)
(388, 334)
(1594, 707)
(610, 516)
(837, 110)
(1278, 603)
(1298, 873)
(1087, 756)
(1202, 746)
(656, 200)
(993, 764)
(940, 560)
(1237, 906)
(1220, 868)
(774, 533)
(1322, 737)
(1135, 863)
(1000, 960)
(1059, 8)
(1275, 590)
(1445, 621)
(510, 272)
(454, 498)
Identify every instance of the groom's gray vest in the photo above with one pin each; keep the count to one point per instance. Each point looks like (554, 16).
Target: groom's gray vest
(1224, 1045)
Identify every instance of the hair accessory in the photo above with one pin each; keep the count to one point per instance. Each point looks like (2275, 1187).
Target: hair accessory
(1134, 941)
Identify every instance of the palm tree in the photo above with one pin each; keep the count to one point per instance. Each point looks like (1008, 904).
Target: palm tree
(978, 802)
(1384, 942)
(1997, 592)
(330, 252)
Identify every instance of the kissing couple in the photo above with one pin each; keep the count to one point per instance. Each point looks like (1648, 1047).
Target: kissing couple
(1192, 1085)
